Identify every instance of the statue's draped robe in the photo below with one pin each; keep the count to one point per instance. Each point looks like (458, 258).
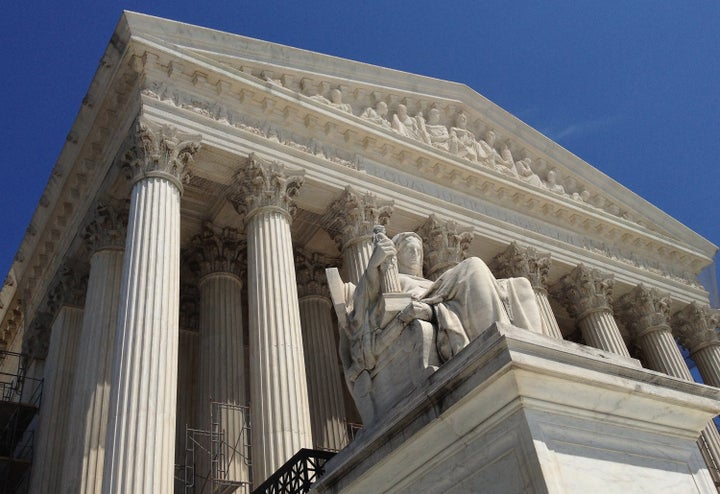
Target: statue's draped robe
(466, 300)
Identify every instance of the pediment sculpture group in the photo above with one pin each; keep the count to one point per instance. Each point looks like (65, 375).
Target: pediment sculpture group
(457, 140)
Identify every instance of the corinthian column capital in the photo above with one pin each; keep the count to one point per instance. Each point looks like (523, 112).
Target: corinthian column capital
(585, 290)
(695, 326)
(644, 310)
(526, 262)
(216, 250)
(106, 227)
(310, 274)
(353, 216)
(445, 245)
(37, 337)
(68, 287)
(160, 150)
(266, 184)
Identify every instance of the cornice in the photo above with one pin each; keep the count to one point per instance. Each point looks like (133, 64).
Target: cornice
(269, 62)
(243, 101)
(82, 165)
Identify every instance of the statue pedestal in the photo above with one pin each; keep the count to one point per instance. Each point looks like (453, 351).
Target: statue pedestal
(520, 412)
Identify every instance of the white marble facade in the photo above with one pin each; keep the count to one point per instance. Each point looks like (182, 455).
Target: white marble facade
(207, 184)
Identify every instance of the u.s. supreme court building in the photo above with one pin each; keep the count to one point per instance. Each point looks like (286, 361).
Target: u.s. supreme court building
(168, 324)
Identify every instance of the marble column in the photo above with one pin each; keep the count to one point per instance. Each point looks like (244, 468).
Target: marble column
(217, 258)
(278, 385)
(587, 295)
(350, 221)
(695, 326)
(327, 407)
(528, 263)
(645, 313)
(141, 429)
(65, 301)
(84, 452)
(187, 370)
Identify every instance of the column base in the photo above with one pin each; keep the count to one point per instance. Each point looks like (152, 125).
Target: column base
(521, 412)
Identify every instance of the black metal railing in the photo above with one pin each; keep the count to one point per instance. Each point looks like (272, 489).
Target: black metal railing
(298, 474)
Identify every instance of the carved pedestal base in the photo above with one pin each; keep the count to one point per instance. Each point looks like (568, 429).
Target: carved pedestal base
(520, 412)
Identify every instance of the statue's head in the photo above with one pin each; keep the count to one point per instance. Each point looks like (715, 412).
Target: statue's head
(381, 108)
(409, 247)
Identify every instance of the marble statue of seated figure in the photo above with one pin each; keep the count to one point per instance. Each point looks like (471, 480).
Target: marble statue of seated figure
(463, 142)
(377, 115)
(462, 303)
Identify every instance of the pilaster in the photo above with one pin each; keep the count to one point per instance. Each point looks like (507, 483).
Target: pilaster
(84, 452)
(141, 431)
(281, 421)
(528, 263)
(350, 220)
(445, 244)
(587, 295)
(327, 409)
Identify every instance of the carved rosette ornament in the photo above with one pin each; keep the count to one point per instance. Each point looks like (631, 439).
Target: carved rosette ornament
(587, 295)
(516, 261)
(310, 274)
(445, 245)
(266, 184)
(107, 227)
(218, 251)
(160, 150)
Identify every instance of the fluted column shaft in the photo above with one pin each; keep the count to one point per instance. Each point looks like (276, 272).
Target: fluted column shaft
(187, 377)
(356, 255)
(550, 325)
(661, 353)
(280, 410)
(708, 363)
(141, 430)
(587, 295)
(600, 330)
(528, 263)
(327, 410)
(85, 451)
(646, 315)
(57, 387)
(221, 367)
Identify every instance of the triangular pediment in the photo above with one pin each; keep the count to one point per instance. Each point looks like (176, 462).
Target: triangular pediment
(538, 164)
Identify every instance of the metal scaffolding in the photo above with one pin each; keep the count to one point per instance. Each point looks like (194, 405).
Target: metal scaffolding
(223, 449)
(20, 397)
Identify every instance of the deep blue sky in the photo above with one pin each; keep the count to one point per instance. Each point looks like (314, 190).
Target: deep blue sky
(631, 87)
